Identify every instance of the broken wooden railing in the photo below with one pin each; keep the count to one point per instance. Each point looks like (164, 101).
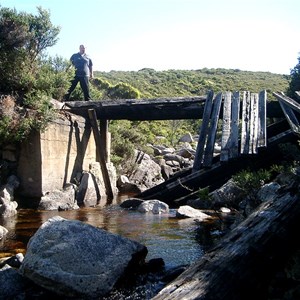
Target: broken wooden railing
(252, 118)
(289, 107)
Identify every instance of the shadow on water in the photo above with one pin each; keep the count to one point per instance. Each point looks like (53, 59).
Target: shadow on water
(177, 241)
(163, 235)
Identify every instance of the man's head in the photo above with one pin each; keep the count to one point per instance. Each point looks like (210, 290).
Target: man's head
(81, 49)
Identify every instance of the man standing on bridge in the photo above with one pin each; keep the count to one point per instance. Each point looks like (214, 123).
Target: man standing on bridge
(83, 71)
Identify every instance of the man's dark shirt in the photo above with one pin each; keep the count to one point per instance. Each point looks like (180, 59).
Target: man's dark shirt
(81, 64)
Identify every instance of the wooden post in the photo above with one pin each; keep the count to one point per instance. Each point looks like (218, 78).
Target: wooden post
(230, 129)
(253, 123)
(226, 128)
(210, 144)
(288, 101)
(262, 115)
(100, 153)
(235, 117)
(203, 132)
(104, 138)
(288, 106)
(245, 123)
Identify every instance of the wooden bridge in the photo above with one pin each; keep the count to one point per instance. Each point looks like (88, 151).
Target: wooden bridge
(247, 139)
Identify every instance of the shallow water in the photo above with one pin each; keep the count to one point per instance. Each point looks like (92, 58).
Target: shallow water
(176, 241)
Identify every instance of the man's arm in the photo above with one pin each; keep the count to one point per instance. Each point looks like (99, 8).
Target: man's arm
(91, 69)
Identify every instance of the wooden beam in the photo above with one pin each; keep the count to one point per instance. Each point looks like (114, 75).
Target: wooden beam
(153, 109)
(101, 154)
(235, 113)
(291, 117)
(262, 115)
(253, 123)
(288, 106)
(241, 265)
(288, 101)
(210, 144)
(245, 135)
(142, 109)
(104, 138)
(203, 131)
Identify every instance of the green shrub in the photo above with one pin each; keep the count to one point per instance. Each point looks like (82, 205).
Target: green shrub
(294, 84)
(250, 181)
(203, 194)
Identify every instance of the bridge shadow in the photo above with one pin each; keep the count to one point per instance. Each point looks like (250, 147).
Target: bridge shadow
(81, 142)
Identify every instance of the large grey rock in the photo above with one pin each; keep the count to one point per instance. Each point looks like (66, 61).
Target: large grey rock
(268, 192)
(154, 206)
(88, 192)
(187, 138)
(131, 203)
(3, 232)
(186, 211)
(75, 259)
(125, 186)
(230, 194)
(92, 190)
(8, 207)
(12, 284)
(147, 173)
(59, 200)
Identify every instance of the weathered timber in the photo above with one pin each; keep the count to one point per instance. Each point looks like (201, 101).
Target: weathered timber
(253, 123)
(104, 138)
(245, 135)
(210, 144)
(203, 131)
(241, 265)
(234, 139)
(142, 109)
(101, 154)
(290, 116)
(288, 101)
(226, 128)
(187, 182)
(262, 115)
(254, 115)
(152, 109)
(288, 106)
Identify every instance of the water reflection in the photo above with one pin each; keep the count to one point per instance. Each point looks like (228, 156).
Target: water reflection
(165, 236)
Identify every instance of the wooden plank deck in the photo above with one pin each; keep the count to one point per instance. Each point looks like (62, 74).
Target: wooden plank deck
(182, 108)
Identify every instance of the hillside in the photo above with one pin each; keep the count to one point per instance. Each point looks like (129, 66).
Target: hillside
(176, 83)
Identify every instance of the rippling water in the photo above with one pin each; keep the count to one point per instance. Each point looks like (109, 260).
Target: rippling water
(174, 240)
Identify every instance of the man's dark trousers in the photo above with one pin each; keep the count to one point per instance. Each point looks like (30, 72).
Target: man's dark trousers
(84, 84)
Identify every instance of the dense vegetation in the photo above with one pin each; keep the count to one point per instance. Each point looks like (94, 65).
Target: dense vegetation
(29, 79)
(176, 83)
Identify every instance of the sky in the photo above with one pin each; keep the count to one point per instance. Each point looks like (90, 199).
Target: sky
(129, 35)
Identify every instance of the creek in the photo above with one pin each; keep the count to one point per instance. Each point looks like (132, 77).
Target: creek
(176, 241)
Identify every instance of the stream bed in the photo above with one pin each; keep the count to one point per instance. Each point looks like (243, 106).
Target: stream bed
(177, 241)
